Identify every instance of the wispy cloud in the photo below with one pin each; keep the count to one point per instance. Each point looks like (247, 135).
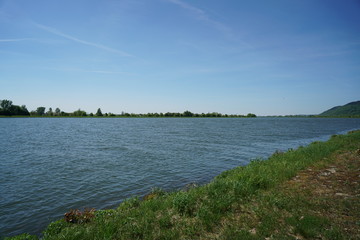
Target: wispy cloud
(202, 15)
(74, 39)
(91, 71)
(16, 39)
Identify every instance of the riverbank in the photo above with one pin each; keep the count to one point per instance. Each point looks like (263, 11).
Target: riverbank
(310, 192)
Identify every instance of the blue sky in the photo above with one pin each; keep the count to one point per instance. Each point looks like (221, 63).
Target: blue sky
(235, 57)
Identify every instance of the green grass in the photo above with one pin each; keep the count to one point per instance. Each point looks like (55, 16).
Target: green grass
(242, 203)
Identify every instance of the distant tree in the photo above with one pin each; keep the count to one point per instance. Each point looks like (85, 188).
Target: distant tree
(5, 107)
(251, 115)
(15, 110)
(99, 113)
(23, 108)
(91, 114)
(188, 114)
(23, 111)
(50, 112)
(40, 111)
(79, 113)
(5, 104)
(57, 111)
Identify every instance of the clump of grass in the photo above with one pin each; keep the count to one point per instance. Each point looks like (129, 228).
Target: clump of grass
(183, 203)
(77, 216)
(309, 226)
(23, 236)
(155, 193)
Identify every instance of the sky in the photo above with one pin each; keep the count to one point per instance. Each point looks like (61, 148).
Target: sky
(268, 57)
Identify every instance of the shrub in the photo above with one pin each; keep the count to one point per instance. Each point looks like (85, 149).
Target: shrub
(155, 192)
(55, 228)
(76, 216)
(129, 203)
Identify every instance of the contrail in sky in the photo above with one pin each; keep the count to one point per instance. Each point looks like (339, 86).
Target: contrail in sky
(100, 46)
(201, 14)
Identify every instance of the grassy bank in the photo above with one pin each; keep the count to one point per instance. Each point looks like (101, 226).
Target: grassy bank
(263, 200)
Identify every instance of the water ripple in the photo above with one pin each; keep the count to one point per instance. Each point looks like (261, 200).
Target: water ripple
(50, 165)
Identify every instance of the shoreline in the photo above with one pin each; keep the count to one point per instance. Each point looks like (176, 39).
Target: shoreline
(206, 206)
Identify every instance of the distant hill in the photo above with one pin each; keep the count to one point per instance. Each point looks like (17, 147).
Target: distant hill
(348, 110)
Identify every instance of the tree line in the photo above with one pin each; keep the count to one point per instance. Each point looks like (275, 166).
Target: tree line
(8, 109)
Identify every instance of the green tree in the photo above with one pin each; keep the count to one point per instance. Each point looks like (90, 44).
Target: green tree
(251, 115)
(79, 113)
(40, 111)
(20, 111)
(5, 107)
(188, 114)
(57, 111)
(99, 113)
(8, 109)
(5, 104)
(50, 112)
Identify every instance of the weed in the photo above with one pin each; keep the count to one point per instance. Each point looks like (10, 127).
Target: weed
(129, 204)
(76, 216)
(55, 227)
(182, 202)
(231, 232)
(104, 213)
(24, 236)
(155, 193)
(309, 226)
(207, 217)
(333, 234)
(165, 222)
(268, 222)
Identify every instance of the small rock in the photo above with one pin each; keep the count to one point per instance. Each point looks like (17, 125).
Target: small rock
(253, 231)
(342, 194)
(328, 172)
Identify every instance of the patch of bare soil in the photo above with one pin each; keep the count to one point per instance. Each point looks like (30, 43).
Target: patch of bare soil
(335, 189)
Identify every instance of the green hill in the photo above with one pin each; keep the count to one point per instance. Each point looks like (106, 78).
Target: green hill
(348, 110)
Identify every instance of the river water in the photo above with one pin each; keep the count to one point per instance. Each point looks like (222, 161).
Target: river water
(51, 165)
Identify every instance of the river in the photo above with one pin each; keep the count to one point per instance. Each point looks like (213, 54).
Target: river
(51, 165)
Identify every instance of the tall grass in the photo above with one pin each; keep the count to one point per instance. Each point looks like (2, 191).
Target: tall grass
(199, 211)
